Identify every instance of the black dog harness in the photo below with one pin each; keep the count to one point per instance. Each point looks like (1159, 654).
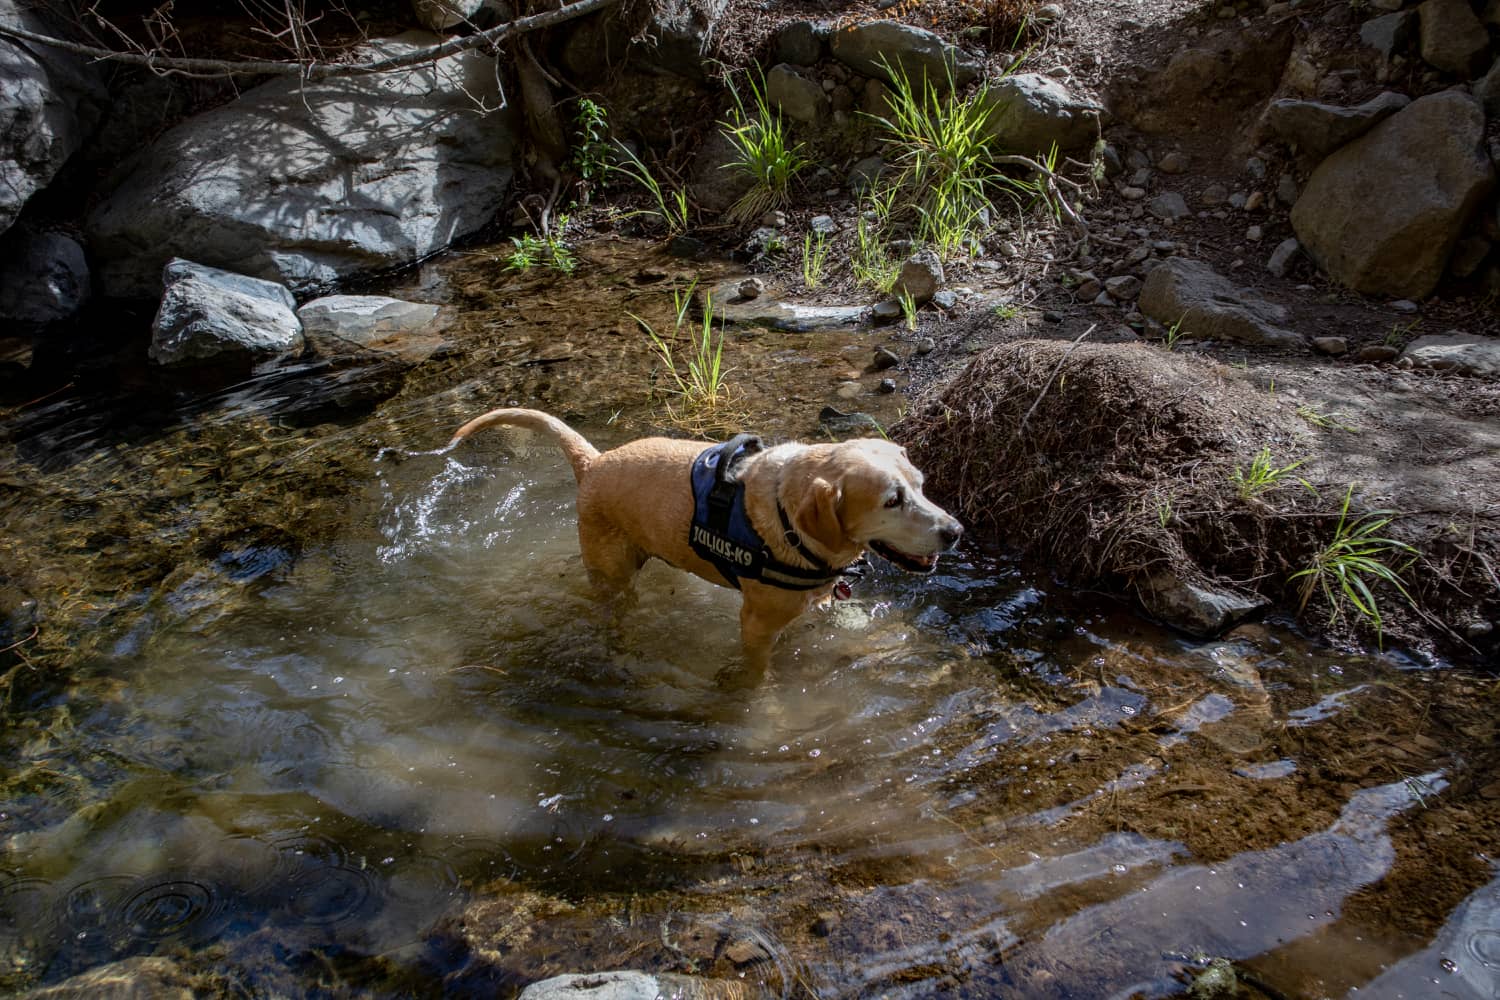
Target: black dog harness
(721, 532)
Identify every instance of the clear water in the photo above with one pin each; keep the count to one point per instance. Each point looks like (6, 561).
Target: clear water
(341, 719)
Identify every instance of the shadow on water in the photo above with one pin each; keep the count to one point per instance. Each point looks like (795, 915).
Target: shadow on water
(334, 715)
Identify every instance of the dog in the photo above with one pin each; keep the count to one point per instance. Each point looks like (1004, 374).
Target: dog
(780, 524)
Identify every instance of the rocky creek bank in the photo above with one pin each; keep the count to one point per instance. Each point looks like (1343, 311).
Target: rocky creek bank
(1282, 214)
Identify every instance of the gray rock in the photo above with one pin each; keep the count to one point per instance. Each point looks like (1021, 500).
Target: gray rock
(921, 276)
(887, 310)
(1456, 352)
(926, 345)
(343, 324)
(716, 184)
(49, 101)
(311, 183)
(1330, 345)
(1453, 39)
(1198, 610)
(768, 313)
(799, 98)
(1389, 34)
(885, 358)
(1088, 289)
(839, 422)
(945, 299)
(208, 314)
(1173, 162)
(44, 278)
(750, 288)
(799, 43)
(887, 385)
(823, 224)
(1318, 129)
(440, 15)
(1381, 214)
(1487, 90)
(1169, 205)
(864, 174)
(628, 985)
(1214, 194)
(875, 48)
(1378, 353)
(680, 36)
(1282, 256)
(1123, 287)
(1286, 189)
(1210, 306)
(1030, 112)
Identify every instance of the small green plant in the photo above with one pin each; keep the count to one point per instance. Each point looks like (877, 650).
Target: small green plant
(703, 388)
(590, 147)
(814, 258)
(1164, 512)
(1173, 335)
(871, 263)
(671, 205)
(908, 308)
(1007, 310)
(1263, 476)
(1397, 335)
(1329, 421)
(1356, 557)
(547, 250)
(763, 151)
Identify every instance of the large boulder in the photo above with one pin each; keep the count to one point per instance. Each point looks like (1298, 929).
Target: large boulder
(1030, 112)
(310, 183)
(1382, 214)
(44, 278)
(1317, 129)
(1201, 303)
(376, 327)
(1453, 39)
(680, 36)
(877, 48)
(211, 315)
(49, 102)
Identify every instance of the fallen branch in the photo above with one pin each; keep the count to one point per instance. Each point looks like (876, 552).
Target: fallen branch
(313, 69)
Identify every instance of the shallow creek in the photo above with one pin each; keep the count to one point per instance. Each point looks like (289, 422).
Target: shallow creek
(341, 719)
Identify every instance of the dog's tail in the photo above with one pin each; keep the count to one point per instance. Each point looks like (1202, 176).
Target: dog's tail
(580, 453)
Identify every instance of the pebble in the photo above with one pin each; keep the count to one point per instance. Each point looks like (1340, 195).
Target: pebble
(1124, 287)
(751, 288)
(926, 345)
(775, 219)
(1378, 353)
(885, 358)
(822, 224)
(1237, 200)
(945, 299)
(1052, 317)
(1173, 162)
(1088, 290)
(1256, 167)
(849, 390)
(887, 385)
(1255, 201)
(1136, 256)
(1281, 257)
(1330, 345)
(1403, 306)
(1131, 193)
(1254, 233)
(887, 310)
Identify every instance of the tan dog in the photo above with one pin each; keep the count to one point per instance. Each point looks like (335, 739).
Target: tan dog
(816, 507)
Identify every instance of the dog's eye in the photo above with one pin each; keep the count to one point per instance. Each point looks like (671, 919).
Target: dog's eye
(897, 499)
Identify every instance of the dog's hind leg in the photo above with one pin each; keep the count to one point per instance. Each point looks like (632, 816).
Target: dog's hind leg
(611, 561)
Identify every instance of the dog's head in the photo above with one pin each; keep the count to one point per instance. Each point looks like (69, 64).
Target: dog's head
(867, 494)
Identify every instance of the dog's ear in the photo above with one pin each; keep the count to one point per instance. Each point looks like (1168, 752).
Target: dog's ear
(817, 515)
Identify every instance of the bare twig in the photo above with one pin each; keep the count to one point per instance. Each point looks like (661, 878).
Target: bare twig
(1051, 378)
(314, 69)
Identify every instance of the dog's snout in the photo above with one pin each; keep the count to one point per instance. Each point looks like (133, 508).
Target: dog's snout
(949, 534)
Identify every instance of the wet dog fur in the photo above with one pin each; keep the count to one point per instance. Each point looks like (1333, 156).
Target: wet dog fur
(635, 502)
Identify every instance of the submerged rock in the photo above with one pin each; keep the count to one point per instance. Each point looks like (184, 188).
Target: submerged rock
(207, 314)
(628, 985)
(1205, 305)
(311, 182)
(1198, 610)
(148, 977)
(343, 324)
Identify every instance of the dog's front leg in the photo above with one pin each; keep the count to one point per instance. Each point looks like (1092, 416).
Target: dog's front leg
(761, 623)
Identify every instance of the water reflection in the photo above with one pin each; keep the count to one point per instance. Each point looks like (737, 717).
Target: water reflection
(348, 721)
